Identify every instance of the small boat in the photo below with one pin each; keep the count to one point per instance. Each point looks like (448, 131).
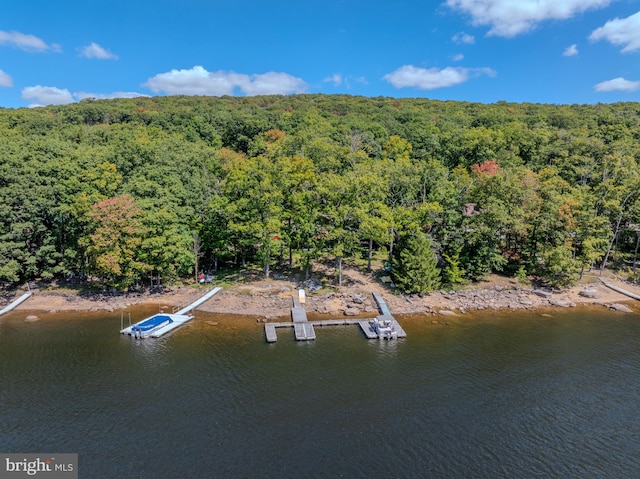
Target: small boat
(384, 328)
(156, 325)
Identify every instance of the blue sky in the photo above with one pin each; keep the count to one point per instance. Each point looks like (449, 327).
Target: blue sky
(543, 51)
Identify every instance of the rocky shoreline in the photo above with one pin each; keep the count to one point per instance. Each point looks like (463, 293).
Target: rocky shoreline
(459, 302)
(272, 300)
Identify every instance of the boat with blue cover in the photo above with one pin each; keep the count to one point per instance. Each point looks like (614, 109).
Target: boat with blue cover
(156, 325)
(161, 323)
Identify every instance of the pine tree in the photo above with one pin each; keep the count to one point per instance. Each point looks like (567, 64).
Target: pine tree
(416, 267)
(452, 273)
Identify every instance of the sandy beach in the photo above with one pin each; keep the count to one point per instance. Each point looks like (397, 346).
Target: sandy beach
(271, 299)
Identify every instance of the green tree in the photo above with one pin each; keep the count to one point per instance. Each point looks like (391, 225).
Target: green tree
(415, 268)
(254, 209)
(560, 268)
(452, 273)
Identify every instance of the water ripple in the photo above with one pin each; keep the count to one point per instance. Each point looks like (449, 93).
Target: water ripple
(517, 397)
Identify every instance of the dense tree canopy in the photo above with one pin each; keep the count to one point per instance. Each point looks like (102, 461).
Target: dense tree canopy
(130, 189)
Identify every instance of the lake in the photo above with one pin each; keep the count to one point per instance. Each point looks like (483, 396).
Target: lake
(484, 396)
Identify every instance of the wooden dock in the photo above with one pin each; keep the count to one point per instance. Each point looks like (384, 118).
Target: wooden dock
(367, 329)
(270, 332)
(385, 315)
(382, 306)
(370, 333)
(296, 302)
(304, 329)
(298, 315)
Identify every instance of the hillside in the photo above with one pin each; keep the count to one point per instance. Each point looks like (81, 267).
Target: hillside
(134, 192)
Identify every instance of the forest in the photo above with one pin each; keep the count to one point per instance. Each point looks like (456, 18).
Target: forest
(131, 191)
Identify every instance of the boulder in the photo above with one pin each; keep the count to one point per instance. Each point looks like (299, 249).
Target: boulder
(542, 293)
(357, 298)
(562, 303)
(623, 308)
(589, 293)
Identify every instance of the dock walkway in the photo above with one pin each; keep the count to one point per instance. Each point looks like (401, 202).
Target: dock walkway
(619, 290)
(382, 306)
(15, 303)
(304, 329)
(175, 319)
(198, 301)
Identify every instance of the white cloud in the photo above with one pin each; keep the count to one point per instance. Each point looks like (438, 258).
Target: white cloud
(47, 95)
(620, 31)
(272, 83)
(458, 58)
(571, 50)
(198, 81)
(463, 38)
(345, 81)
(28, 43)
(81, 95)
(5, 80)
(433, 78)
(336, 79)
(618, 84)
(508, 18)
(93, 50)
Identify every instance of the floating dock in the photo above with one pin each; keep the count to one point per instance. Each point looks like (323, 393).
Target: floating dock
(370, 332)
(272, 337)
(162, 323)
(156, 325)
(367, 329)
(304, 329)
(270, 332)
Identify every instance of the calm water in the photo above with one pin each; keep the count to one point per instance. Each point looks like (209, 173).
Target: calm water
(506, 397)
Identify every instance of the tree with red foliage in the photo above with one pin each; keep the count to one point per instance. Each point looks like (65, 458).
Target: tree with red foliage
(489, 168)
(114, 243)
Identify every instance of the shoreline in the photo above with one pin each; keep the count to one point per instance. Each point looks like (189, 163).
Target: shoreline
(271, 300)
